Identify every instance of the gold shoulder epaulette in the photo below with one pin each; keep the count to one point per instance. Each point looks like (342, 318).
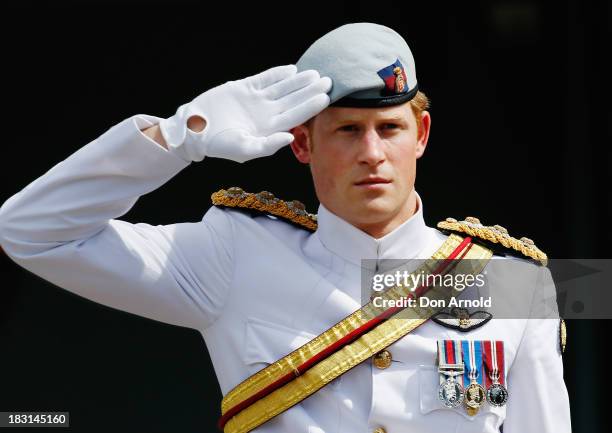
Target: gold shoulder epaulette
(495, 234)
(265, 202)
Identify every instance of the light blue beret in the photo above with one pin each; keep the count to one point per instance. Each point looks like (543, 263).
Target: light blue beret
(370, 65)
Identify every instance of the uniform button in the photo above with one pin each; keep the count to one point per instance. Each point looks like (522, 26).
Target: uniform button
(379, 430)
(382, 360)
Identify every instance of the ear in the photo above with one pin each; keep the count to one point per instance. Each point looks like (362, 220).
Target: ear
(423, 133)
(301, 143)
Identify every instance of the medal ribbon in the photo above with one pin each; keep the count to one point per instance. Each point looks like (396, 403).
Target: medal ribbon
(442, 352)
(443, 356)
(494, 361)
(449, 352)
(472, 355)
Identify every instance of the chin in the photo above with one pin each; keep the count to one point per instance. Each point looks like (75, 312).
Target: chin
(373, 211)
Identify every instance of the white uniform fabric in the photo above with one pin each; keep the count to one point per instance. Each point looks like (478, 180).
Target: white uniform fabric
(257, 288)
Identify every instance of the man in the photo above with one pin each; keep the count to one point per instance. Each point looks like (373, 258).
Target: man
(260, 277)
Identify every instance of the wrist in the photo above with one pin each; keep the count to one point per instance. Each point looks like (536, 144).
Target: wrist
(196, 123)
(154, 133)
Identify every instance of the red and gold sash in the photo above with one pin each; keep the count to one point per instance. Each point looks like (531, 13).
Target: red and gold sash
(349, 342)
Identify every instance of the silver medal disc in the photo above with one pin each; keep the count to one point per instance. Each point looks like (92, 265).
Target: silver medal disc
(451, 393)
(497, 394)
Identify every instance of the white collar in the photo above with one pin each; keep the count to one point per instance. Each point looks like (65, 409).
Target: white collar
(347, 241)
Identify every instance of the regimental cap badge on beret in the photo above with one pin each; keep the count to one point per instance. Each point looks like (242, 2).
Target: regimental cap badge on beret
(356, 57)
(394, 77)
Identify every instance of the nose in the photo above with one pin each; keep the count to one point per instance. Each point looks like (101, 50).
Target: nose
(371, 150)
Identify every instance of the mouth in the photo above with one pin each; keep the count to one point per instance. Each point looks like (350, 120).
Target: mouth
(373, 182)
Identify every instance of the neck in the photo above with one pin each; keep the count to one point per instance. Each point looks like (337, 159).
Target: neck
(381, 228)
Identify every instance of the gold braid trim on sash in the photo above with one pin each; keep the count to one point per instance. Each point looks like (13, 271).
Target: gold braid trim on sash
(497, 234)
(350, 355)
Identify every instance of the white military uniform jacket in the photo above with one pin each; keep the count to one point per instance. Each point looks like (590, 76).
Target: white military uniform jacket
(258, 287)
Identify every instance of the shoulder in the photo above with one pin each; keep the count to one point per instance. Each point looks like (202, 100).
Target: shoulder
(264, 209)
(496, 238)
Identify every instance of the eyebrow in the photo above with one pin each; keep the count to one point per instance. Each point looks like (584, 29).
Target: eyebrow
(390, 118)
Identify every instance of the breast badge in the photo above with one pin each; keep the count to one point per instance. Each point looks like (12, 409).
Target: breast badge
(461, 319)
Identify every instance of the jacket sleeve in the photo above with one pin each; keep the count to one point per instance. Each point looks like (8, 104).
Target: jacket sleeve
(63, 228)
(538, 400)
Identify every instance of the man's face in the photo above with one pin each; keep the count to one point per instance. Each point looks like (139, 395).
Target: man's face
(363, 161)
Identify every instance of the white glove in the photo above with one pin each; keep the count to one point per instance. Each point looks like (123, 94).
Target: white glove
(248, 118)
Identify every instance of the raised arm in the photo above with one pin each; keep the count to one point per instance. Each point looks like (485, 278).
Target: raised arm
(63, 226)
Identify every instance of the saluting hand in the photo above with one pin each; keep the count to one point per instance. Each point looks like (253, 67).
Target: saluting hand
(248, 118)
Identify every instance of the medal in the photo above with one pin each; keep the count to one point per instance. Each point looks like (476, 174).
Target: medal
(471, 411)
(497, 394)
(450, 365)
(475, 395)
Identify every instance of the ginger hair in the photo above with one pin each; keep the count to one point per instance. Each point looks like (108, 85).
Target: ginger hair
(418, 104)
